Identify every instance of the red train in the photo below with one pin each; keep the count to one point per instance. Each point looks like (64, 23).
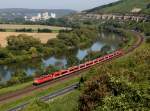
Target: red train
(73, 69)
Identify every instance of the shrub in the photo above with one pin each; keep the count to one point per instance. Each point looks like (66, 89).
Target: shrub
(22, 42)
(148, 40)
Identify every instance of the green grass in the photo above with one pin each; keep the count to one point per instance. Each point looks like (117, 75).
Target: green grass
(123, 6)
(67, 102)
(14, 88)
(132, 40)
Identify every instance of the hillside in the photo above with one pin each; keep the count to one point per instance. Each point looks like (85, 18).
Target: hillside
(123, 6)
(128, 80)
(12, 13)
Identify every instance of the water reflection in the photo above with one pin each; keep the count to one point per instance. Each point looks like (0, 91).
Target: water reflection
(71, 58)
(54, 61)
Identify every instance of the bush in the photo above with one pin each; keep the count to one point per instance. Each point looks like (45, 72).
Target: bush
(124, 87)
(18, 77)
(22, 42)
(2, 30)
(24, 30)
(4, 53)
(44, 30)
(148, 40)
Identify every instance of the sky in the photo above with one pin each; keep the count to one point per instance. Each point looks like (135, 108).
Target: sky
(54, 4)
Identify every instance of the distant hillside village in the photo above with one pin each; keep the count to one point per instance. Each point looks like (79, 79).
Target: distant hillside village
(40, 16)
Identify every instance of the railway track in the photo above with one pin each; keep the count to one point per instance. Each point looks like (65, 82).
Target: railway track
(17, 94)
(48, 97)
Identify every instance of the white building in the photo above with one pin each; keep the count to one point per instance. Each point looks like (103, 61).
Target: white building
(40, 16)
(53, 15)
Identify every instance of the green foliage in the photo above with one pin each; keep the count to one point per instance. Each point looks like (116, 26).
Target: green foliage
(64, 103)
(38, 105)
(57, 45)
(33, 51)
(105, 49)
(44, 31)
(50, 69)
(122, 85)
(148, 40)
(72, 39)
(57, 22)
(2, 30)
(3, 53)
(24, 30)
(18, 77)
(22, 42)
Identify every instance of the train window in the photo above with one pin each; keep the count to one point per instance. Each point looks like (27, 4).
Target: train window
(117, 53)
(71, 69)
(81, 66)
(64, 72)
(77, 68)
(111, 55)
(89, 63)
(95, 61)
(106, 57)
(101, 59)
(74, 68)
(56, 74)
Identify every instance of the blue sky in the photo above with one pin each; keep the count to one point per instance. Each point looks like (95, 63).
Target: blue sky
(53, 4)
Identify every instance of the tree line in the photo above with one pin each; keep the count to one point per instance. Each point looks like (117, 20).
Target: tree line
(45, 30)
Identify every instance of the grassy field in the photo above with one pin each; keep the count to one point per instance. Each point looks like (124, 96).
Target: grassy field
(34, 27)
(68, 102)
(14, 88)
(44, 37)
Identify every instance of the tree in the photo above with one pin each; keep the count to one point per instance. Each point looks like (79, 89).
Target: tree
(4, 53)
(22, 42)
(33, 52)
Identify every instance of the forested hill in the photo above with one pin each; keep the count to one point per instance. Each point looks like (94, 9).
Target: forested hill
(123, 6)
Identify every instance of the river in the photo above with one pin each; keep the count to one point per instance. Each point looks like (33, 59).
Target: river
(30, 67)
